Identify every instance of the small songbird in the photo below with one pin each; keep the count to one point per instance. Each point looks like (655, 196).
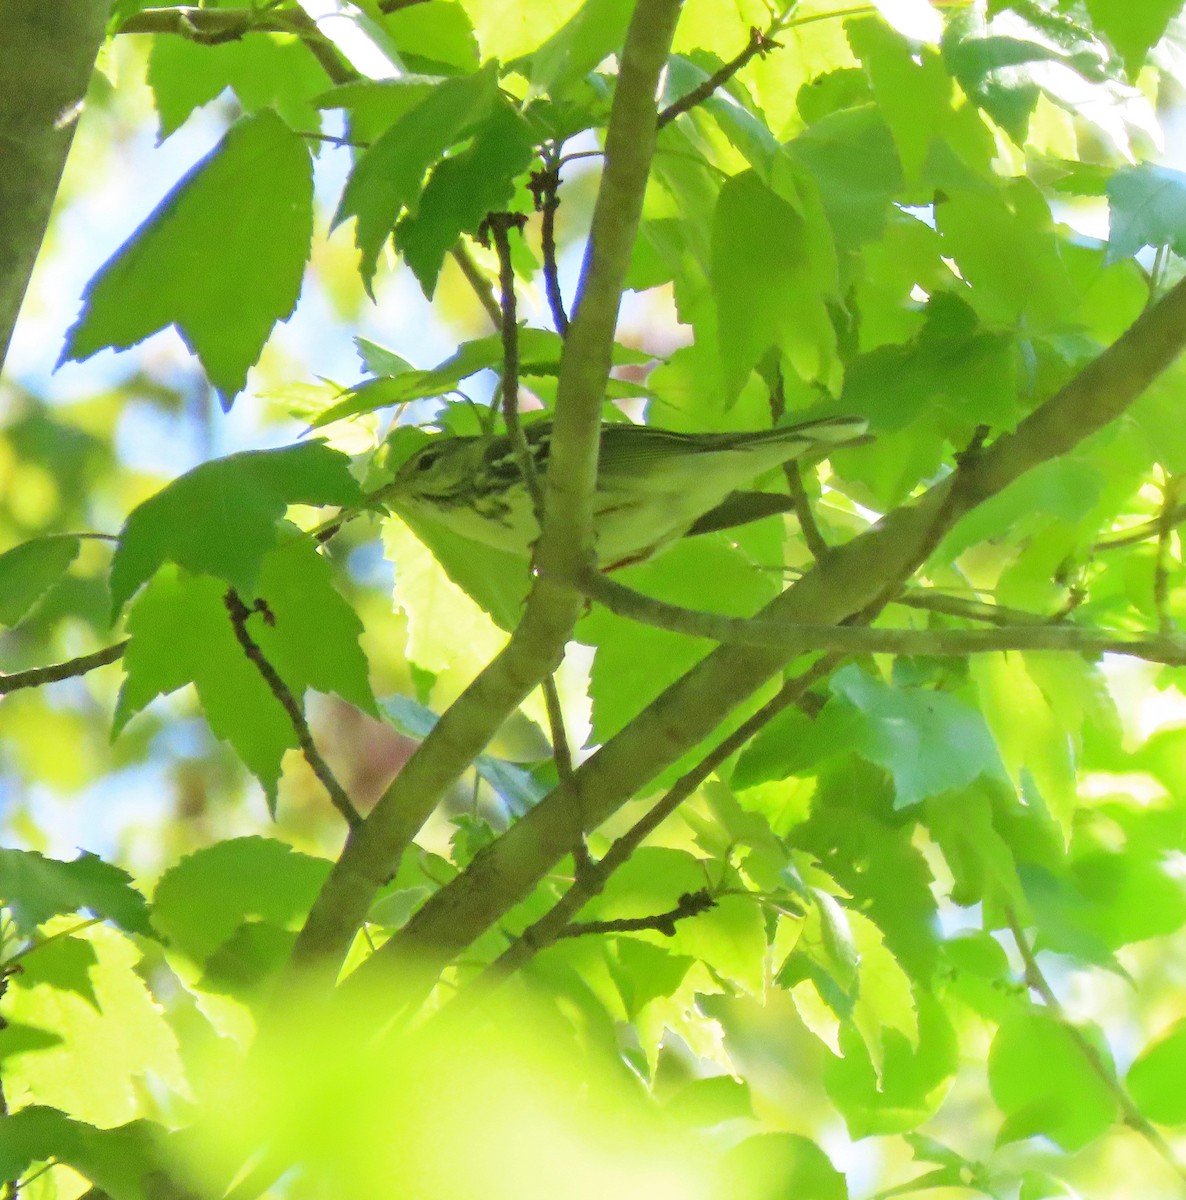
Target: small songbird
(653, 485)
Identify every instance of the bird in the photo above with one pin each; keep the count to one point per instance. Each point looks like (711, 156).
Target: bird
(654, 485)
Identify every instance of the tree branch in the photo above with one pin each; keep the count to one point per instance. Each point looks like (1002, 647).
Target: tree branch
(690, 904)
(38, 676)
(759, 43)
(499, 226)
(239, 612)
(213, 26)
(849, 579)
(538, 642)
(47, 55)
(592, 880)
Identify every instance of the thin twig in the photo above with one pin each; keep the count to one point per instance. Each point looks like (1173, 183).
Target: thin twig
(480, 284)
(1140, 533)
(499, 226)
(239, 612)
(545, 188)
(803, 512)
(691, 904)
(856, 638)
(562, 756)
(759, 43)
(794, 477)
(933, 600)
(1038, 982)
(73, 667)
(1161, 570)
(332, 138)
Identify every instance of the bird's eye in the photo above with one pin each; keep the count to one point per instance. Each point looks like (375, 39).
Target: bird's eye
(427, 460)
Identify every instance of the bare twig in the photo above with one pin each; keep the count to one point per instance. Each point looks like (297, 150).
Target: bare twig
(759, 43)
(480, 284)
(806, 518)
(37, 676)
(239, 612)
(1133, 1117)
(794, 477)
(499, 226)
(545, 188)
(691, 904)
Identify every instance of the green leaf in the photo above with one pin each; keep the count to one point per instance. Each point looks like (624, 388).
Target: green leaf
(1043, 1083)
(703, 1103)
(910, 731)
(221, 518)
(119, 1161)
(913, 90)
(374, 105)
(593, 33)
(250, 242)
(459, 595)
(1154, 1081)
(780, 1164)
(539, 355)
(181, 634)
(877, 864)
(729, 938)
(462, 190)
(1146, 207)
(773, 272)
(979, 858)
(990, 69)
(1032, 741)
(113, 1031)
(265, 71)
(389, 176)
(432, 36)
(852, 159)
(1134, 29)
(29, 570)
(912, 1079)
(313, 638)
(1004, 242)
(203, 899)
(34, 888)
(715, 572)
